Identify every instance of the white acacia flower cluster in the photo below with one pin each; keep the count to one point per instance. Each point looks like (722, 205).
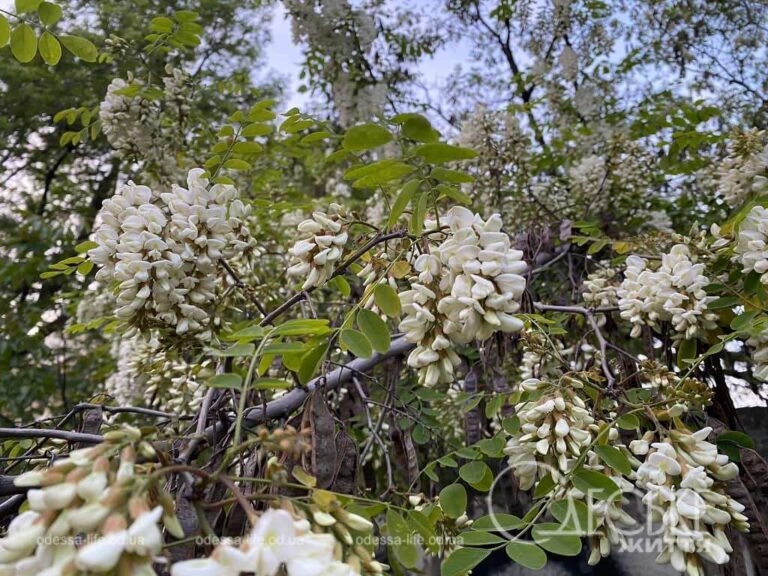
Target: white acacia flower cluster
(683, 479)
(745, 168)
(163, 250)
(759, 344)
(343, 36)
(468, 287)
(279, 540)
(674, 292)
(555, 429)
(147, 371)
(751, 249)
(93, 493)
(147, 129)
(599, 290)
(321, 248)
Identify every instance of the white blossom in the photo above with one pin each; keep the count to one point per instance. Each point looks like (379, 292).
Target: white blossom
(674, 293)
(751, 249)
(468, 287)
(163, 249)
(321, 246)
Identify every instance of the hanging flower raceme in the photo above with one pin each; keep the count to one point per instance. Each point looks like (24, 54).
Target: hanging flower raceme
(744, 171)
(673, 293)
(147, 129)
(279, 539)
(751, 249)
(163, 250)
(683, 477)
(468, 286)
(321, 247)
(92, 512)
(554, 430)
(149, 372)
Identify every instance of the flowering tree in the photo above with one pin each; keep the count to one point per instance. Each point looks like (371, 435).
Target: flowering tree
(362, 340)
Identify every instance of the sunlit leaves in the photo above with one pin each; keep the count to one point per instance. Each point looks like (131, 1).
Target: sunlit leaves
(23, 43)
(49, 13)
(453, 499)
(461, 561)
(80, 47)
(5, 31)
(50, 49)
(365, 137)
(526, 554)
(387, 300)
(375, 329)
(439, 153)
(356, 342)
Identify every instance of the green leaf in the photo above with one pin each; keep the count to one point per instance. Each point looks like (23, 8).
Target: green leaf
(393, 171)
(23, 43)
(425, 527)
(628, 422)
(316, 137)
(248, 333)
(5, 31)
(738, 438)
(301, 327)
(400, 537)
(23, 6)
(743, 320)
(304, 477)
(544, 487)
(452, 176)
(724, 302)
(356, 342)
(462, 560)
(375, 329)
(574, 514)
(83, 247)
(270, 384)
(402, 200)
(498, 523)
(49, 13)
(258, 114)
(80, 47)
(527, 554)
(478, 538)
(553, 538)
(439, 153)
(473, 472)
(185, 16)
(310, 361)
(686, 351)
(365, 137)
(161, 24)
(236, 351)
(615, 458)
(278, 348)
(596, 485)
(85, 268)
(247, 148)
(387, 300)
(256, 129)
(453, 499)
(237, 164)
(418, 128)
(228, 380)
(511, 425)
(419, 212)
(49, 48)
